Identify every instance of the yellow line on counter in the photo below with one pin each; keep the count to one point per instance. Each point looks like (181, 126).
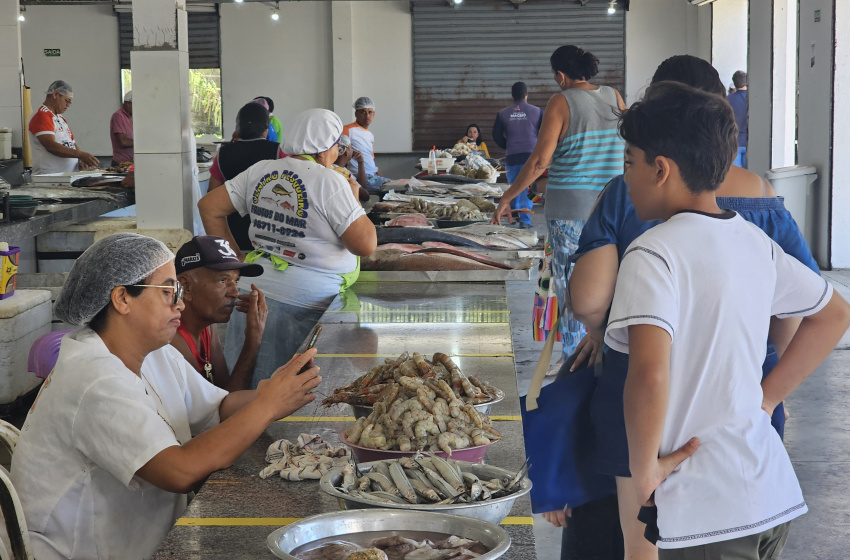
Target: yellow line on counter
(280, 521)
(485, 355)
(351, 419)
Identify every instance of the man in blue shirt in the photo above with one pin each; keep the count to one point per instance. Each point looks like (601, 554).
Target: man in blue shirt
(515, 130)
(738, 101)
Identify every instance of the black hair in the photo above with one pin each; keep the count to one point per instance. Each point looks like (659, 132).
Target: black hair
(691, 71)
(739, 78)
(480, 136)
(98, 322)
(519, 90)
(251, 121)
(269, 102)
(575, 63)
(693, 128)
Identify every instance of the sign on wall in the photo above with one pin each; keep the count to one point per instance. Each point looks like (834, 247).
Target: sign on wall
(52, 52)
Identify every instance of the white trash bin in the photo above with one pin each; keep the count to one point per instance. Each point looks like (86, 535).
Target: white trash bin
(794, 184)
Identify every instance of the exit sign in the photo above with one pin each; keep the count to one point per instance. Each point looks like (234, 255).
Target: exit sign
(52, 52)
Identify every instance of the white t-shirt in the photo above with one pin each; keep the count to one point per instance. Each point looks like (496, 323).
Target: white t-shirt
(713, 285)
(93, 425)
(44, 121)
(364, 142)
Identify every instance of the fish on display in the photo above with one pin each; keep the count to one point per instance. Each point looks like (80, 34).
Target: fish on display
(417, 236)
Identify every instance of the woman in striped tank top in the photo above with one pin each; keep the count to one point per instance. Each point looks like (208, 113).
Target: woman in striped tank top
(579, 139)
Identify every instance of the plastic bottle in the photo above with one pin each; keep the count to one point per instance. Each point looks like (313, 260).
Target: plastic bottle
(432, 161)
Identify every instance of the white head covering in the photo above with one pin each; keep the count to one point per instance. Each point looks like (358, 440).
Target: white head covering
(128, 97)
(364, 103)
(312, 132)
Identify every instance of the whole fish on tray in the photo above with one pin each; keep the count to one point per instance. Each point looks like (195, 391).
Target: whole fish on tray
(417, 236)
(527, 237)
(410, 220)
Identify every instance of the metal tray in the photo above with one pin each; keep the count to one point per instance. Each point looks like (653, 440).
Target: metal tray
(341, 523)
(494, 510)
(444, 275)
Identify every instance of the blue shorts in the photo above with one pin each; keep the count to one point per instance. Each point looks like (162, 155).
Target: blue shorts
(606, 409)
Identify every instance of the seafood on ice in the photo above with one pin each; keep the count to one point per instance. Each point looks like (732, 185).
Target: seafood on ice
(462, 210)
(419, 405)
(309, 459)
(398, 547)
(424, 479)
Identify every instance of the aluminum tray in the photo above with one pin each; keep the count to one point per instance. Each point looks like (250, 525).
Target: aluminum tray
(443, 275)
(341, 523)
(493, 511)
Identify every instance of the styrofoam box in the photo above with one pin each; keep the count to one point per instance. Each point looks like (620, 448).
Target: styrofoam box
(23, 318)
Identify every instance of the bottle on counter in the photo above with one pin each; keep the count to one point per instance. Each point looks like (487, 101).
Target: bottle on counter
(432, 161)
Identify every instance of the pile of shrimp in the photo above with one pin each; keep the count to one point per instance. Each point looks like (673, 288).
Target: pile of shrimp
(310, 459)
(423, 480)
(432, 419)
(398, 547)
(374, 385)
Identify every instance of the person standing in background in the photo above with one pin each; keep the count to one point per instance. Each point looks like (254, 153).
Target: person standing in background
(739, 102)
(275, 127)
(54, 149)
(515, 131)
(363, 141)
(121, 131)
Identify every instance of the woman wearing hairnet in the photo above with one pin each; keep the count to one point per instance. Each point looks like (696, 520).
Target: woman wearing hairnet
(307, 229)
(123, 428)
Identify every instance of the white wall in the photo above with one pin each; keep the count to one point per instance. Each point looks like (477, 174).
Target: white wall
(783, 148)
(729, 38)
(815, 123)
(289, 60)
(841, 142)
(10, 70)
(657, 30)
(88, 39)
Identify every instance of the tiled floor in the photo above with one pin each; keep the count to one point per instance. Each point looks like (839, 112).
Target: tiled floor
(817, 436)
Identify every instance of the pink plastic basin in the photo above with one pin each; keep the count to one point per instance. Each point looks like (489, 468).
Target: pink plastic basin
(366, 454)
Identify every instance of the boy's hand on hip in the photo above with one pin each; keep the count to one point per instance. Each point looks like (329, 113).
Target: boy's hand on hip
(658, 473)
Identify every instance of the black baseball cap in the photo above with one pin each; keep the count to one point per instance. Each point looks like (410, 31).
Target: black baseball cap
(209, 251)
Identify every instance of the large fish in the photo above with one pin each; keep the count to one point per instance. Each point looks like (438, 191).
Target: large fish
(398, 261)
(417, 236)
(527, 236)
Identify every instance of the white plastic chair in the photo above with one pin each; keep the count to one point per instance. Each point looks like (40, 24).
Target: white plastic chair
(17, 540)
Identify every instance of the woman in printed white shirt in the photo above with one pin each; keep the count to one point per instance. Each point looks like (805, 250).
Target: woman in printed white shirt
(54, 149)
(123, 428)
(307, 229)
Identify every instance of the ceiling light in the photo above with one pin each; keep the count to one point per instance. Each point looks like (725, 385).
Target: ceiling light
(21, 17)
(275, 15)
(457, 2)
(238, 1)
(612, 7)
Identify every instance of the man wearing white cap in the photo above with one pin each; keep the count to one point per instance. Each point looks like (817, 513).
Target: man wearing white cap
(363, 141)
(121, 131)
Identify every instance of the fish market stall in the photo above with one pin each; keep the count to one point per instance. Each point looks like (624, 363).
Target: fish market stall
(236, 510)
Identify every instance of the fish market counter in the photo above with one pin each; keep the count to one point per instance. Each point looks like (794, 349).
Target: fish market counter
(236, 510)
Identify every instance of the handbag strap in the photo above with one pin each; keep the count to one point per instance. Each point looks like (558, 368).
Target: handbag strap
(542, 367)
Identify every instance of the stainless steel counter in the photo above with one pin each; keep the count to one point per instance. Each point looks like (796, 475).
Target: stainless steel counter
(236, 510)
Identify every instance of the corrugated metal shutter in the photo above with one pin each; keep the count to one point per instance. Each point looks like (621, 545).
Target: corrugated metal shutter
(204, 45)
(466, 59)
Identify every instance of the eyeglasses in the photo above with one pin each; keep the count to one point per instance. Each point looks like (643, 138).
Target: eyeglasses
(68, 100)
(176, 287)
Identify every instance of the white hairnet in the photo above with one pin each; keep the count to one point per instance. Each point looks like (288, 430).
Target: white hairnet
(312, 132)
(364, 103)
(64, 88)
(344, 141)
(121, 259)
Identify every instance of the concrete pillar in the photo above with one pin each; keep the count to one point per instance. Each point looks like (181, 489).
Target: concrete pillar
(10, 69)
(343, 59)
(760, 80)
(161, 114)
(840, 226)
(815, 118)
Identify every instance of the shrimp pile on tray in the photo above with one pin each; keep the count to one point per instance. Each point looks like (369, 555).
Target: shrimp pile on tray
(378, 382)
(398, 547)
(310, 459)
(424, 480)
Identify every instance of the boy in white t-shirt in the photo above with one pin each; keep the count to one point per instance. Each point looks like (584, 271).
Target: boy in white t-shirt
(692, 308)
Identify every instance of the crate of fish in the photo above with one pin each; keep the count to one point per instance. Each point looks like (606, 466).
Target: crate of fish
(428, 483)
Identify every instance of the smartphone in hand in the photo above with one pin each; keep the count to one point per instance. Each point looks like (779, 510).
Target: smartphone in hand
(310, 343)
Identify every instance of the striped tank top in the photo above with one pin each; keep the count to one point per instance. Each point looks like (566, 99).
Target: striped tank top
(590, 155)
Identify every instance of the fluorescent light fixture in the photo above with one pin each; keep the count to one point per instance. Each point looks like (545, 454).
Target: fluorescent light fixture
(21, 16)
(238, 1)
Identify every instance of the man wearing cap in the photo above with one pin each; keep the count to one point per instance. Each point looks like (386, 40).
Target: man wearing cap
(121, 131)
(363, 141)
(54, 149)
(208, 269)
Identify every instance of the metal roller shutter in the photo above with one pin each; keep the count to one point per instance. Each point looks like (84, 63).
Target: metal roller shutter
(204, 45)
(466, 59)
